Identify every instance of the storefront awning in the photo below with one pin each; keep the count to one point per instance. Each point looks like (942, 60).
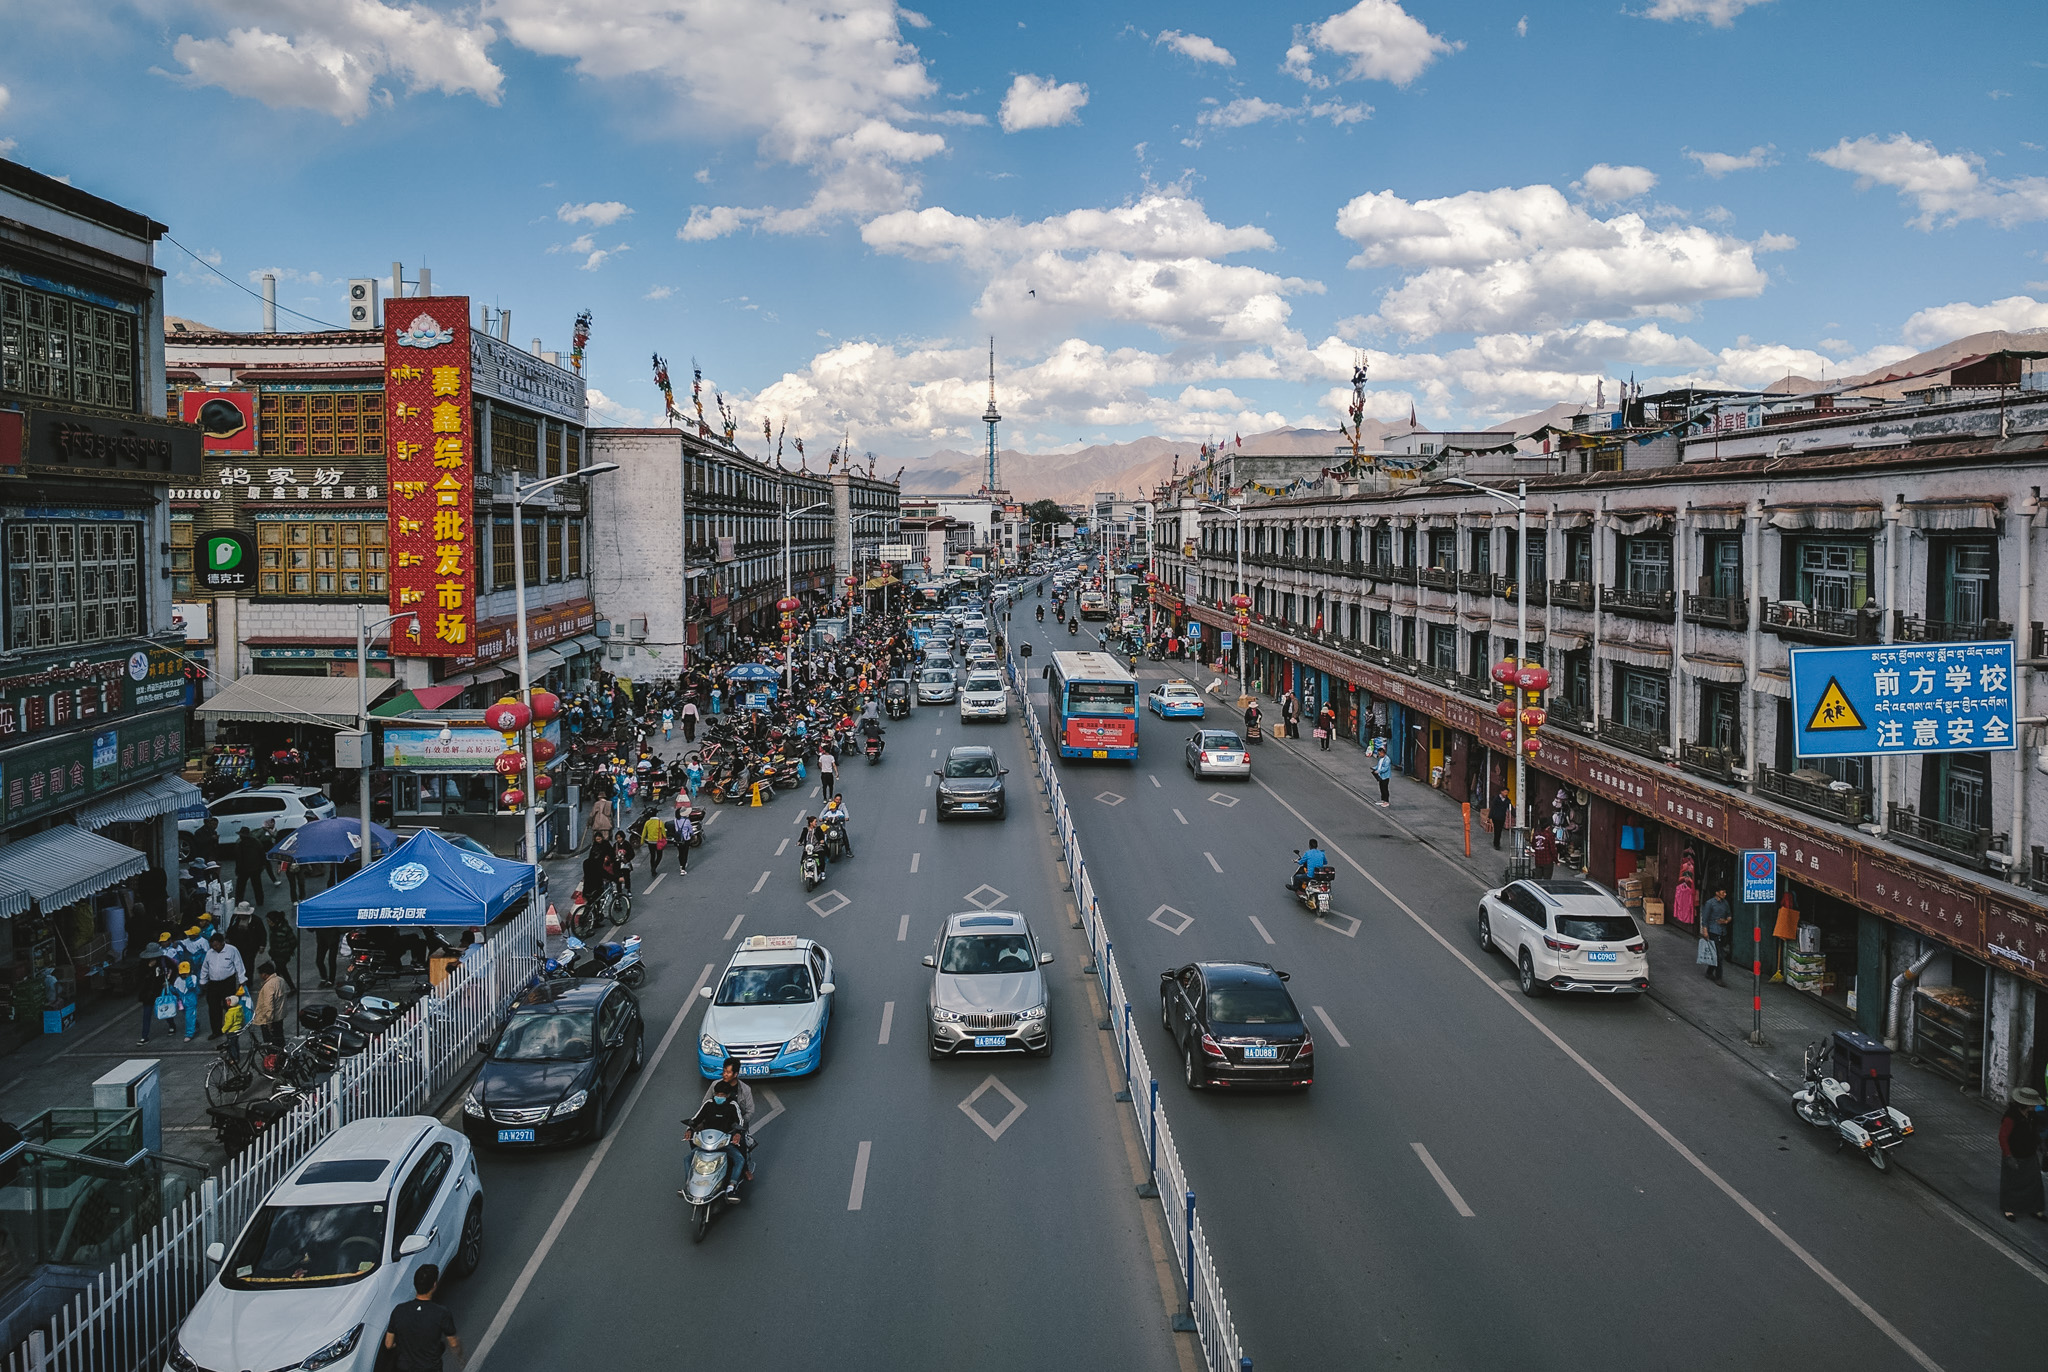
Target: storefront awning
(1774, 682)
(1946, 516)
(1826, 517)
(583, 643)
(1637, 654)
(323, 700)
(1729, 671)
(539, 662)
(419, 698)
(60, 865)
(163, 796)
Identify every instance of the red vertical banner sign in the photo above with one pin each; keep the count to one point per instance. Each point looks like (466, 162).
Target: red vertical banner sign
(430, 453)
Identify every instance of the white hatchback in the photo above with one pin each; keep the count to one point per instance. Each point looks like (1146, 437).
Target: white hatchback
(1565, 935)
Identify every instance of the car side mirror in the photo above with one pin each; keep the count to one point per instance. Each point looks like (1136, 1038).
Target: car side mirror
(411, 1244)
(1044, 958)
(938, 774)
(1002, 771)
(216, 1252)
(827, 989)
(704, 991)
(930, 961)
(1282, 975)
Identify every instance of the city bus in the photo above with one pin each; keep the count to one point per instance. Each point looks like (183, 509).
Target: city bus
(1095, 701)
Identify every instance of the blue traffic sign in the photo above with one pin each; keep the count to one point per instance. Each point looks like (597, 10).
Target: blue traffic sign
(1759, 877)
(1903, 698)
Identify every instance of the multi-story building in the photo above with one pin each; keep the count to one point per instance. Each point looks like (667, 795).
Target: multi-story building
(93, 723)
(1665, 588)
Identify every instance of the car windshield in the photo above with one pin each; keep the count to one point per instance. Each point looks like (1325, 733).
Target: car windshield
(935, 675)
(787, 983)
(1596, 928)
(1223, 741)
(986, 954)
(1252, 1004)
(986, 681)
(970, 766)
(299, 1246)
(545, 1036)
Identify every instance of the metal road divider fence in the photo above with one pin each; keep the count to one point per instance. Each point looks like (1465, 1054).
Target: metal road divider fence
(1204, 1312)
(125, 1320)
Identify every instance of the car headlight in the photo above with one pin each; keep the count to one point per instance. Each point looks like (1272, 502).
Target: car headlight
(333, 1352)
(571, 1104)
(1035, 1012)
(710, 1047)
(799, 1043)
(944, 1016)
(180, 1361)
(471, 1106)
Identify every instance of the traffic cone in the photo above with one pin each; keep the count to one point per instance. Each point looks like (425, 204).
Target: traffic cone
(757, 796)
(554, 920)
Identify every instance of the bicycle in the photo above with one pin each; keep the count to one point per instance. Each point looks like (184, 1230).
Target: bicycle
(230, 1075)
(616, 905)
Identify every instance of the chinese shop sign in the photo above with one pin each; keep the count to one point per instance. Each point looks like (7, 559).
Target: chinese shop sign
(46, 778)
(427, 375)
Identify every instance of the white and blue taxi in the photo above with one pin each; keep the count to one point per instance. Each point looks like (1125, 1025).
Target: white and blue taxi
(1175, 700)
(769, 1010)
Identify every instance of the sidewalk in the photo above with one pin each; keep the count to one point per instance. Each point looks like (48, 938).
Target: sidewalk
(1954, 1149)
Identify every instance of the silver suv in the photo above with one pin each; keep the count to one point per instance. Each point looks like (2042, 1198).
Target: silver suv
(988, 995)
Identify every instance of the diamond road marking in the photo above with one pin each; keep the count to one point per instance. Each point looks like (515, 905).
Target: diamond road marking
(1218, 798)
(1329, 922)
(823, 911)
(992, 900)
(775, 1107)
(1175, 929)
(1110, 798)
(994, 1131)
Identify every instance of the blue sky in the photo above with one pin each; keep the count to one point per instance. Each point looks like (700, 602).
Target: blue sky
(1184, 219)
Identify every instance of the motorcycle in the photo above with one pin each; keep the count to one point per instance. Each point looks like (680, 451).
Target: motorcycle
(813, 865)
(1848, 1090)
(1312, 888)
(235, 1127)
(836, 846)
(616, 961)
(1073, 626)
(711, 1178)
(874, 749)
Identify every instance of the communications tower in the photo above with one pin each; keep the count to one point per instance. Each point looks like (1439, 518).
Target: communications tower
(991, 481)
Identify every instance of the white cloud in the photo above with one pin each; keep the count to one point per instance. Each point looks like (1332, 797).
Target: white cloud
(1193, 45)
(1604, 184)
(1522, 257)
(913, 18)
(585, 247)
(617, 412)
(1948, 187)
(1252, 110)
(1040, 102)
(337, 56)
(282, 274)
(1719, 13)
(659, 293)
(1943, 323)
(598, 213)
(1382, 41)
(1718, 164)
(1522, 27)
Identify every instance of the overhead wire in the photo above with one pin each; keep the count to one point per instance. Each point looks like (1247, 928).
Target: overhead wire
(244, 289)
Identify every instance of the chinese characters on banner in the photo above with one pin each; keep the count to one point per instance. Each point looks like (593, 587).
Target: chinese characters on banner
(432, 465)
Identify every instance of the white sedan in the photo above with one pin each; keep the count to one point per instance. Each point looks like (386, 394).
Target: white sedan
(311, 1280)
(1565, 934)
(1218, 753)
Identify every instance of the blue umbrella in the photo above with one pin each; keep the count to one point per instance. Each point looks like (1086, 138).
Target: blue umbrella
(333, 840)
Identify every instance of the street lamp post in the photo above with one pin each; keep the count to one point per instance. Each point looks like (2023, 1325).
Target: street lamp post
(364, 634)
(1520, 503)
(520, 495)
(789, 593)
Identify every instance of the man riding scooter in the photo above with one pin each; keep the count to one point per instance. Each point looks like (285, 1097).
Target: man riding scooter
(1312, 859)
(728, 1106)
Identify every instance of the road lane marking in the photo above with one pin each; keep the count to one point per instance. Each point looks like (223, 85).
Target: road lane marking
(1627, 1102)
(996, 1129)
(793, 823)
(903, 928)
(759, 884)
(814, 793)
(915, 858)
(713, 818)
(775, 1107)
(1450, 1191)
(782, 848)
(1154, 780)
(888, 1015)
(1261, 928)
(1331, 1025)
(920, 816)
(927, 778)
(1156, 917)
(860, 1176)
(659, 878)
(597, 1157)
(734, 927)
(1216, 866)
(935, 752)
(1181, 817)
(937, 732)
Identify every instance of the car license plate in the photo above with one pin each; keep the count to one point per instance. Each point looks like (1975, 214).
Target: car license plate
(1261, 1054)
(753, 1069)
(990, 1040)
(1099, 752)
(970, 805)
(1608, 956)
(515, 1136)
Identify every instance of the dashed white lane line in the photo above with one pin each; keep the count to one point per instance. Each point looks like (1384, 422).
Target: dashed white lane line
(915, 858)
(713, 818)
(1261, 928)
(935, 752)
(1154, 780)
(920, 816)
(1450, 1192)
(1214, 865)
(782, 848)
(734, 927)
(928, 778)
(659, 878)
(1331, 1025)
(814, 793)
(936, 733)
(888, 1016)
(1181, 817)
(860, 1176)
(903, 928)
(759, 884)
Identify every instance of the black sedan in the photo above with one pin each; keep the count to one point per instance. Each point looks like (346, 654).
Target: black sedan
(557, 1066)
(1235, 1025)
(971, 783)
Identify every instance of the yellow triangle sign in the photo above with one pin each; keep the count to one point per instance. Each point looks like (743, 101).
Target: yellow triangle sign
(1834, 711)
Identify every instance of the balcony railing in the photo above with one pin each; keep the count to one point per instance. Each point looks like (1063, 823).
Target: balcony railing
(1817, 796)
(1621, 600)
(1790, 619)
(1709, 761)
(2037, 869)
(1576, 595)
(1504, 586)
(1917, 629)
(1952, 841)
(1566, 712)
(1438, 578)
(1635, 740)
(1722, 611)
(1478, 583)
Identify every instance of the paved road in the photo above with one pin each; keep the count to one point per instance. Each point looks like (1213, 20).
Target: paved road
(960, 1250)
(1636, 1197)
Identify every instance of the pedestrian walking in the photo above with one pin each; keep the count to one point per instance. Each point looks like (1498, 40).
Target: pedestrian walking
(152, 981)
(292, 876)
(247, 934)
(251, 855)
(326, 955)
(220, 974)
(689, 721)
(1543, 852)
(422, 1330)
(1290, 715)
(654, 834)
(268, 1017)
(1326, 725)
(1497, 813)
(283, 947)
(685, 832)
(1715, 918)
(828, 772)
(601, 821)
(1383, 770)
(668, 723)
(2019, 1157)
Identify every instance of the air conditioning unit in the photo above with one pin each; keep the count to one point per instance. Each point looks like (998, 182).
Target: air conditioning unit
(362, 303)
(638, 628)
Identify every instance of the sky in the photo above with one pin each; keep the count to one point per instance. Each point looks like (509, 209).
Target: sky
(1183, 219)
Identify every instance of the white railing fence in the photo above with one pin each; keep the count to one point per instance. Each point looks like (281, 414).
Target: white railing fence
(125, 1320)
(1205, 1312)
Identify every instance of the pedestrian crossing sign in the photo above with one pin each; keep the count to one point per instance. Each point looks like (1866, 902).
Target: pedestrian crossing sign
(1834, 710)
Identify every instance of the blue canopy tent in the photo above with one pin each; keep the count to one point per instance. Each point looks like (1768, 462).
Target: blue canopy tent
(754, 684)
(424, 881)
(333, 840)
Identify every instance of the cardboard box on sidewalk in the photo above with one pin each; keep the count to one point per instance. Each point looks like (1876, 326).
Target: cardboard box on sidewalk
(58, 1020)
(1653, 911)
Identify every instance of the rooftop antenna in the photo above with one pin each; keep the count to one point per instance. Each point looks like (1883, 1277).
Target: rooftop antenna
(992, 480)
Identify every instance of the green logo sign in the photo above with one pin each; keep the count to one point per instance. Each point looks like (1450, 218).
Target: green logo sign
(223, 552)
(225, 561)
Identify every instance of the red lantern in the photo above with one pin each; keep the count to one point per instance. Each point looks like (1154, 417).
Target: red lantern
(1532, 746)
(545, 705)
(1535, 717)
(508, 716)
(542, 750)
(514, 798)
(543, 782)
(789, 605)
(1533, 679)
(1506, 709)
(1241, 603)
(1507, 735)
(510, 763)
(1503, 672)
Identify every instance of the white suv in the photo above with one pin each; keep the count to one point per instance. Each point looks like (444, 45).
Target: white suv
(290, 806)
(984, 697)
(1565, 935)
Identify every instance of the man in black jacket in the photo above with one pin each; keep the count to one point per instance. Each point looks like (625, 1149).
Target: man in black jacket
(251, 854)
